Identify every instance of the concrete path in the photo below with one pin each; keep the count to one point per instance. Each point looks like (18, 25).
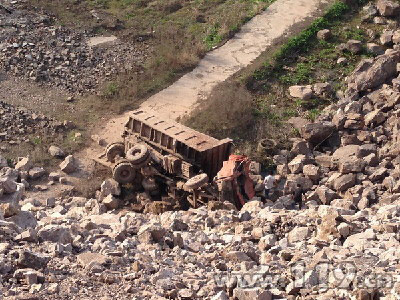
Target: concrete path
(255, 36)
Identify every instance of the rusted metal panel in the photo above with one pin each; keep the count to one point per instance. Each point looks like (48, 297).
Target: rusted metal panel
(195, 139)
(215, 160)
(200, 149)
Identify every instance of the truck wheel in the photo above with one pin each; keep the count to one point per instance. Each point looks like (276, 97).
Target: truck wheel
(149, 184)
(267, 145)
(138, 154)
(196, 182)
(114, 149)
(124, 172)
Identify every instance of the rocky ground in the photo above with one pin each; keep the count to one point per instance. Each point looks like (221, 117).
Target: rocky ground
(34, 47)
(19, 125)
(341, 245)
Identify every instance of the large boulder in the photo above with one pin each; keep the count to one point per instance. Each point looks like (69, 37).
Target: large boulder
(386, 37)
(9, 203)
(9, 207)
(28, 259)
(24, 220)
(345, 153)
(111, 202)
(324, 34)
(312, 172)
(325, 194)
(36, 172)
(360, 240)
(374, 118)
(110, 187)
(56, 151)
(151, 234)
(317, 133)
(375, 49)
(296, 165)
(8, 185)
(351, 165)
(303, 92)
(85, 259)
(354, 46)
(371, 73)
(56, 234)
(299, 234)
(344, 182)
(388, 8)
(24, 164)
(69, 165)
(301, 147)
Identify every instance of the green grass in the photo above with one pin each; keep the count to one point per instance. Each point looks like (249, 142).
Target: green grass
(111, 89)
(301, 74)
(213, 38)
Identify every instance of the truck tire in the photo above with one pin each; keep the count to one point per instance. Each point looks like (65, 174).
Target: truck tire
(266, 145)
(149, 184)
(138, 154)
(124, 172)
(196, 182)
(113, 150)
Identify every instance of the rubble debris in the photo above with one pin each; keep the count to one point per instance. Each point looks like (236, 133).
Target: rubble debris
(36, 48)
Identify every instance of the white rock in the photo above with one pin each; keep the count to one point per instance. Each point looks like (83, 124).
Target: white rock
(302, 92)
(299, 234)
(56, 151)
(24, 164)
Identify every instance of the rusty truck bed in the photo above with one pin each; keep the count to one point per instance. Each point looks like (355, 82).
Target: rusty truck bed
(171, 137)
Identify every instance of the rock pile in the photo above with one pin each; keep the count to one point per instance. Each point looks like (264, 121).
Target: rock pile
(63, 247)
(32, 46)
(16, 124)
(348, 158)
(342, 245)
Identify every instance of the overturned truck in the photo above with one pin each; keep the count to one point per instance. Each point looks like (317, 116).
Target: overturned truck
(167, 158)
